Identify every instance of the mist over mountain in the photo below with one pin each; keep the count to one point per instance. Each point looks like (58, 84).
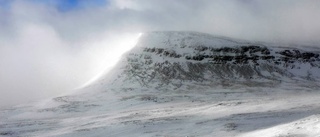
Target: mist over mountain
(50, 47)
(181, 83)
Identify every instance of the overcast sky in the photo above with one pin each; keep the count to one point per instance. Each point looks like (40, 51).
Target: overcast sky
(49, 47)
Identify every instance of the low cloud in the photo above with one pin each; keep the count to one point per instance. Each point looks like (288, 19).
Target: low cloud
(45, 52)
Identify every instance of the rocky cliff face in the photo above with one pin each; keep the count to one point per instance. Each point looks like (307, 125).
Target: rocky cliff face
(180, 58)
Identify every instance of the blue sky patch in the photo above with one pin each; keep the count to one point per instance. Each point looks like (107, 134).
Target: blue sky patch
(5, 3)
(66, 5)
(63, 5)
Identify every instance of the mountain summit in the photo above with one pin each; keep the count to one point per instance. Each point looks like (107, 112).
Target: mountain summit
(176, 59)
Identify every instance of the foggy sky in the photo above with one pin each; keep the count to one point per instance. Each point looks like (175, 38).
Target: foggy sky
(45, 51)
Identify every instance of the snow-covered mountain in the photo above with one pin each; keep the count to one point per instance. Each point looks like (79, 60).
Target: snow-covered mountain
(179, 59)
(187, 84)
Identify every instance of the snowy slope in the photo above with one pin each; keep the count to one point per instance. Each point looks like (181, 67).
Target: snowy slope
(187, 84)
(177, 59)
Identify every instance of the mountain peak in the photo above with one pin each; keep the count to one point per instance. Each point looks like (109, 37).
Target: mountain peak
(176, 59)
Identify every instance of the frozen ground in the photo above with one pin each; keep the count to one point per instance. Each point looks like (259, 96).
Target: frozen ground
(282, 111)
(186, 84)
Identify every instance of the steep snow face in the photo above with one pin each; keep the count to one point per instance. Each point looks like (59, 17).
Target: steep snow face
(178, 59)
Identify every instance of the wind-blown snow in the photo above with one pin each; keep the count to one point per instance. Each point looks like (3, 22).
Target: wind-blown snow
(186, 84)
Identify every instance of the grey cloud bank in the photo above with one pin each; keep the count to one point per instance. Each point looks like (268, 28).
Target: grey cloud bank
(45, 52)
